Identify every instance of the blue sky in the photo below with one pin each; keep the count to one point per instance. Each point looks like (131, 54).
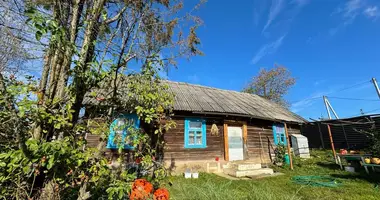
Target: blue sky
(328, 45)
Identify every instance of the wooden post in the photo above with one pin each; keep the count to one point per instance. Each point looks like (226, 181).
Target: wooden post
(320, 134)
(332, 142)
(245, 144)
(288, 144)
(225, 134)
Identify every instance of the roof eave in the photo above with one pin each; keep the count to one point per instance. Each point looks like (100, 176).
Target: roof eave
(247, 116)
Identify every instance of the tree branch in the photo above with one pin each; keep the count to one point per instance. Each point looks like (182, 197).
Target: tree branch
(116, 17)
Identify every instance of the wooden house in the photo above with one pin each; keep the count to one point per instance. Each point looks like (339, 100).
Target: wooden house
(215, 124)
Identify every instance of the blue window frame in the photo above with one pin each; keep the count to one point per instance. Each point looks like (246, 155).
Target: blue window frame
(279, 134)
(119, 128)
(195, 133)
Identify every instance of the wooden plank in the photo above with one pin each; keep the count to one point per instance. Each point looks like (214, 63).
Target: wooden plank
(245, 141)
(225, 132)
(289, 152)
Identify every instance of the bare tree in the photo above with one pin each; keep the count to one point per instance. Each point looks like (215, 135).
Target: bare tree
(13, 47)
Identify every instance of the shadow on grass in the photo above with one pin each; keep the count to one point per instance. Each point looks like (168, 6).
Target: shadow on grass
(332, 166)
(373, 177)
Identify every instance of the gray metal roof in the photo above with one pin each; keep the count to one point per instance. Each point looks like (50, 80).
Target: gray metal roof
(197, 98)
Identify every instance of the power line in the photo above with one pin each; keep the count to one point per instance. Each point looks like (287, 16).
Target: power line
(340, 90)
(353, 99)
(365, 112)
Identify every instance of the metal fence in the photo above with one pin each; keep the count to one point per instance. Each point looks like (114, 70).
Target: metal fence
(346, 133)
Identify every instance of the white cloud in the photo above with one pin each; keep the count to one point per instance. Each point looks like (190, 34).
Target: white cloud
(275, 9)
(352, 7)
(267, 49)
(351, 10)
(371, 12)
(309, 101)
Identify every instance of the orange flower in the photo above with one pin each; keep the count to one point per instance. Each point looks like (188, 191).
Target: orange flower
(138, 195)
(142, 184)
(161, 194)
(141, 189)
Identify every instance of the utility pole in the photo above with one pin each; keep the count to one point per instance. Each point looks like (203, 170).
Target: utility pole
(329, 107)
(332, 109)
(376, 86)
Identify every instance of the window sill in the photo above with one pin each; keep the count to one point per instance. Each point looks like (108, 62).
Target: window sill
(195, 147)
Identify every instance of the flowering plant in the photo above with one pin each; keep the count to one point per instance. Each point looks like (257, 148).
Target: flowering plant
(143, 189)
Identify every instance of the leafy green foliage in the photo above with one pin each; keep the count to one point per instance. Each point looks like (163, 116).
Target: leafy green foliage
(374, 138)
(43, 150)
(44, 26)
(63, 163)
(280, 152)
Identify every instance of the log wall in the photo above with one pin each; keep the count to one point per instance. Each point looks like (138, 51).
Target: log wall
(175, 141)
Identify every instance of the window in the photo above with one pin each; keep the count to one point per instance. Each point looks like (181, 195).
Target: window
(279, 134)
(119, 130)
(195, 133)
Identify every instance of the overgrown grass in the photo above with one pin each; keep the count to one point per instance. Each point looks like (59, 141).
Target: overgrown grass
(210, 186)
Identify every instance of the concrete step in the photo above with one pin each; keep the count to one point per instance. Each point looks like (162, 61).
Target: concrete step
(253, 172)
(213, 167)
(243, 165)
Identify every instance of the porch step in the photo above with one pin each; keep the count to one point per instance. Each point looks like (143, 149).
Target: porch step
(253, 172)
(244, 165)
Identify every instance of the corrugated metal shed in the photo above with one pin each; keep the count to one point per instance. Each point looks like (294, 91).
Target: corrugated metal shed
(202, 99)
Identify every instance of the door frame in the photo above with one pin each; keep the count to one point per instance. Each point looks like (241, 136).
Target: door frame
(243, 125)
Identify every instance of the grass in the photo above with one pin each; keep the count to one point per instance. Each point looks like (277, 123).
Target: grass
(212, 187)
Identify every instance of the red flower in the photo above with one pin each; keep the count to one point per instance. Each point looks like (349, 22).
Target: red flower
(138, 160)
(161, 194)
(216, 158)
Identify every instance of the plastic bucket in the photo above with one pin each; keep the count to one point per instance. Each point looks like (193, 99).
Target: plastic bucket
(287, 159)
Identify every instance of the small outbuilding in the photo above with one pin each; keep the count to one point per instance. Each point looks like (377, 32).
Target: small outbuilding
(300, 146)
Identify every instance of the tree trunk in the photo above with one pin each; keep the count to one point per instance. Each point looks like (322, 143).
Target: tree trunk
(86, 53)
(64, 75)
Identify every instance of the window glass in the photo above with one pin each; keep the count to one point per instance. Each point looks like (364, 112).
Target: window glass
(199, 137)
(195, 124)
(282, 138)
(191, 137)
